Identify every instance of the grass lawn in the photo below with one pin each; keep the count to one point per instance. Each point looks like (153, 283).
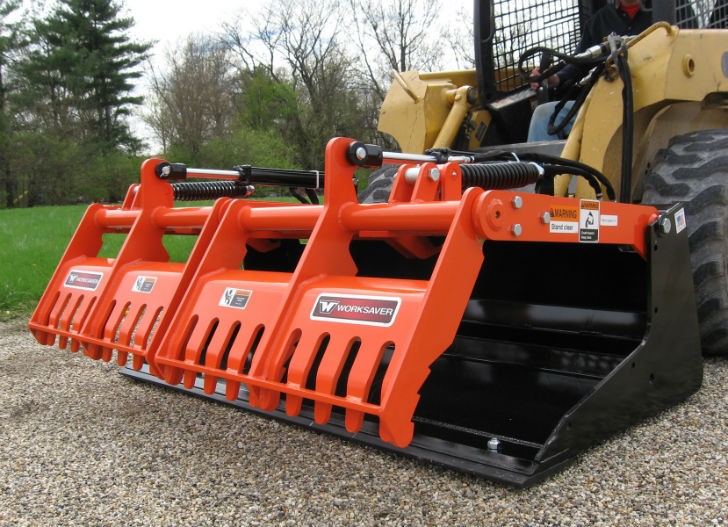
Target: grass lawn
(31, 244)
(33, 240)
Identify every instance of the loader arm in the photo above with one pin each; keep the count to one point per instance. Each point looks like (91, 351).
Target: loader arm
(680, 84)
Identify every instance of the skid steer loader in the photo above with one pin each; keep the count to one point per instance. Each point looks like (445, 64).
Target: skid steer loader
(466, 308)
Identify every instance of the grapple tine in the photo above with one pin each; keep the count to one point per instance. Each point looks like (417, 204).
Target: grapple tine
(107, 304)
(329, 373)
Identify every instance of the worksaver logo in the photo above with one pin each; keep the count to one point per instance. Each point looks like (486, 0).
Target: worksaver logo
(83, 280)
(354, 309)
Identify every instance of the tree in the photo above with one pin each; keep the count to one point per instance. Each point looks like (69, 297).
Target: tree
(193, 101)
(397, 35)
(7, 45)
(265, 102)
(79, 70)
(298, 42)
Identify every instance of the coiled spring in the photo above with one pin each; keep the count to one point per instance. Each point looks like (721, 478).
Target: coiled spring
(206, 190)
(500, 175)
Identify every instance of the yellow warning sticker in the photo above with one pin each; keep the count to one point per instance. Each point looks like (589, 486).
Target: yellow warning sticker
(564, 220)
(564, 213)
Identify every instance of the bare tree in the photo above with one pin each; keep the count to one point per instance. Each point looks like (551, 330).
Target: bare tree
(397, 35)
(194, 100)
(298, 42)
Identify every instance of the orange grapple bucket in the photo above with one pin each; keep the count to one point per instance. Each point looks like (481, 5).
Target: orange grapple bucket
(102, 304)
(496, 332)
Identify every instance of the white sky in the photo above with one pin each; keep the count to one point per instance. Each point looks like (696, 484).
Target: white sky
(171, 21)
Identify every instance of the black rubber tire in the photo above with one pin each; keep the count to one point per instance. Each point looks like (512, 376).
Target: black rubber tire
(694, 169)
(380, 185)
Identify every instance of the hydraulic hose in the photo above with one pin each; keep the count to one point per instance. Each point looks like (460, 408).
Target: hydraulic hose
(593, 58)
(551, 166)
(588, 59)
(581, 94)
(625, 187)
(561, 165)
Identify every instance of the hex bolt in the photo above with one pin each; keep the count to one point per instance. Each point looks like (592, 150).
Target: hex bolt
(517, 230)
(665, 225)
(546, 218)
(434, 174)
(517, 202)
(494, 444)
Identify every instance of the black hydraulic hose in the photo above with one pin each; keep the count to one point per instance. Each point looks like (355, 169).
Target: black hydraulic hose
(625, 187)
(542, 94)
(583, 61)
(582, 92)
(592, 58)
(207, 190)
(569, 166)
(552, 166)
(500, 175)
(306, 195)
(555, 170)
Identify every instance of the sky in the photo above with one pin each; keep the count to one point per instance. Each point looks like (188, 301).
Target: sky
(171, 21)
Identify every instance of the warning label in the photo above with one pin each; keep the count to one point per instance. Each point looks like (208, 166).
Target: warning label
(367, 310)
(87, 280)
(237, 298)
(144, 284)
(589, 221)
(564, 220)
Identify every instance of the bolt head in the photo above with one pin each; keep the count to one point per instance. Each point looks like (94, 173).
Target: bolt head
(517, 229)
(361, 153)
(493, 444)
(665, 225)
(517, 202)
(546, 218)
(435, 174)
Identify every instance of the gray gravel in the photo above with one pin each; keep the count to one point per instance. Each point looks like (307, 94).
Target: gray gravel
(82, 445)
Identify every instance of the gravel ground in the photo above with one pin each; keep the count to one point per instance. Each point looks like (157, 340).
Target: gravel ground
(81, 445)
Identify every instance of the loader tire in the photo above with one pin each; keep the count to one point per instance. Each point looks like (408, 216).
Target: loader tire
(694, 169)
(379, 185)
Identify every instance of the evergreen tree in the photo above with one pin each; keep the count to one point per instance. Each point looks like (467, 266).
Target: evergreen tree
(79, 71)
(7, 45)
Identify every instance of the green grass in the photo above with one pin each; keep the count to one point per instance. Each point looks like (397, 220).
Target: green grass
(32, 242)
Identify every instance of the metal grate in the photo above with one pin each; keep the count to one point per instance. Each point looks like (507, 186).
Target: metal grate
(522, 24)
(711, 14)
